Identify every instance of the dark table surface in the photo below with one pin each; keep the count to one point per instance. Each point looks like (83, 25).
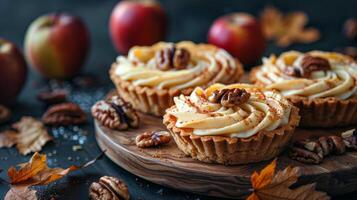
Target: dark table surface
(189, 20)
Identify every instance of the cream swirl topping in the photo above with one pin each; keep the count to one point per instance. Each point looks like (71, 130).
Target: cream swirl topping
(340, 81)
(208, 64)
(264, 110)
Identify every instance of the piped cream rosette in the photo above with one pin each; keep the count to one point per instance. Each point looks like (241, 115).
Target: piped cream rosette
(208, 64)
(326, 98)
(139, 74)
(339, 82)
(255, 130)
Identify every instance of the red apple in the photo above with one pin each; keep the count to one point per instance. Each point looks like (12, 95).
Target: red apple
(137, 23)
(56, 45)
(13, 72)
(240, 34)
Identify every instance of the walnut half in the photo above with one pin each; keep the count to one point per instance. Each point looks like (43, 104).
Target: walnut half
(115, 113)
(230, 97)
(152, 139)
(109, 188)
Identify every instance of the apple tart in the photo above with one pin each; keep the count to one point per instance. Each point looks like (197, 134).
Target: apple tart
(323, 85)
(232, 124)
(150, 76)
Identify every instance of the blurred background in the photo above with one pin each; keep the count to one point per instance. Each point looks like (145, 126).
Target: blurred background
(187, 20)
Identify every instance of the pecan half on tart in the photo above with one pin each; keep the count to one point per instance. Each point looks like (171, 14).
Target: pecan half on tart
(323, 85)
(232, 124)
(150, 76)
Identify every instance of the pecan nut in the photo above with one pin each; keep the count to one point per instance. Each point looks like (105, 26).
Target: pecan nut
(5, 114)
(313, 151)
(115, 113)
(350, 29)
(310, 64)
(350, 138)
(52, 97)
(312, 146)
(109, 188)
(152, 139)
(230, 97)
(64, 114)
(172, 57)
(338, 146)
(307, 151)
(325, 145)
(305, 156)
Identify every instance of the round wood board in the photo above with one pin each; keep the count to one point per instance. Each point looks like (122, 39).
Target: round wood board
(168, 166)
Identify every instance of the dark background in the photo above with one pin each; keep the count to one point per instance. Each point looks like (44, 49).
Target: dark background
(189, 20)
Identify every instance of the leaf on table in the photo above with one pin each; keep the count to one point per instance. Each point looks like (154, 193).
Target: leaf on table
(8, 138)
(21, 193)
(268, 185)
(36, 172)
(30, 135)
(287, 29)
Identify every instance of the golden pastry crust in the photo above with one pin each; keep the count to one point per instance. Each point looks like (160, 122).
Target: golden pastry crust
(264, 145)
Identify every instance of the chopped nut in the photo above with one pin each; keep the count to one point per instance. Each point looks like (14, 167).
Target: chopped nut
(230, 97)
(172, 57)
(115, 113)
(152, 139)
(64, 114)
(310, 64)
(5, 114)
(350, 138)
(53, 97)
(350, 29)
(109, 188)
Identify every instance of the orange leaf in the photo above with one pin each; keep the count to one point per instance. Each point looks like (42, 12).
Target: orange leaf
(270, 186)
(264, 177)
(36, 171)
(37, 163)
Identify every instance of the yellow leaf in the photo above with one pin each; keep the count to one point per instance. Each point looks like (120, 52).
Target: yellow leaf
(270, 186)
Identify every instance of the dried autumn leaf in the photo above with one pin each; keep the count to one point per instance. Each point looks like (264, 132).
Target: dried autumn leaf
(21, 193)
(30, 136)
(36, 172)
(270, 186)
(287, 29)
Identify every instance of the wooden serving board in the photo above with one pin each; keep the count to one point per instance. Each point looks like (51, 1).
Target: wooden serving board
(168, 166)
